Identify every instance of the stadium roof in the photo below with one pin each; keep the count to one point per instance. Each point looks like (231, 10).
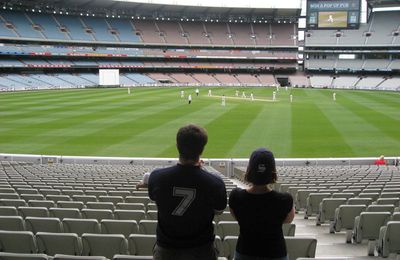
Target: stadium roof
(146, 7)
(383, 3)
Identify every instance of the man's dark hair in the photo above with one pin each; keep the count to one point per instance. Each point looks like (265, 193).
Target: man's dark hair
(190, 141)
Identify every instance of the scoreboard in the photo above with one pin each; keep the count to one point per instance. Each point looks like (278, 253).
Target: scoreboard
(333, 14)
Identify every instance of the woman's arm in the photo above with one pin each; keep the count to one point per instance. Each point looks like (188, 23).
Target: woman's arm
(290, 216)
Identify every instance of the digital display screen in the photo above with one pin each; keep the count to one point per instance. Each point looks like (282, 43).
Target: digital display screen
(333, 14)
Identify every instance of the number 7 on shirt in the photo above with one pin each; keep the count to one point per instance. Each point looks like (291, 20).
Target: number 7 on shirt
(188, 195)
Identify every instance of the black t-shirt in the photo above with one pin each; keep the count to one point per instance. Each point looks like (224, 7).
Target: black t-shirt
(186, 197)
(260, 218)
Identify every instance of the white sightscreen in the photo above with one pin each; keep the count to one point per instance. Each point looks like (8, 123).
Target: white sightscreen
(108, 77)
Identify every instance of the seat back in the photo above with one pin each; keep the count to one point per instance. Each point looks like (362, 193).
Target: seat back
(369, 225)
(71, 204)
(98, 214)
(104, 245)
(130, 206)
(124, 227)
(22, 256)
(73, 257)
(12, 223)
(289, 229)
(388, 201)
(380, 208)
(8, 211)
(300, 247)
(62, 213)
(123, 214)
(328, 207)
(100, 205)
(229, 245)
(313, 201)
(17, 242)
(359, 201)
(59, 243)
(81, 226)
(37, 224)
(391, 239)
(147, 226)
(345, 215)
(227, 228)
(140, 244)
(40, 212)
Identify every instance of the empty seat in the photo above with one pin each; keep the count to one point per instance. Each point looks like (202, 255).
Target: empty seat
(129, 214)
(229, 246)
(301, 198)
(124, 227)
(121, 193)
(12, 223)
(71, 193)
(71, 204)
(300, 247)
(388, 201)
(9, 196)
(36, 224)
(390, 194)
(327, 209)
(62, 213)
(147, 226)
(313, 201)
(152, 206)
(33, 212)
(138, 199)
(57, 198)
(12, 202)
(345, 195)
(46, 192)
(227, 228)
(59, 243)
(396, 216)
(225, 216)
(367, 226)
(104, 245)
(380, 208)
(8, 211)
(96, 193)
(289, 229)
(72, 257)
(84, 198)
(17, 242)
(100, 205)
(112, 199)
(28, 197)
(81, 226)
(359, 201)
(372, 195)
(98, 214)
(152, 214)
(140, 244)
(344, 218)
(389, 239)
(22, 256)
(41, 203)
(130, 206)
(132, 257)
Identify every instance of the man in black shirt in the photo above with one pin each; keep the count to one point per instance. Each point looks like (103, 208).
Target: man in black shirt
(187, 198)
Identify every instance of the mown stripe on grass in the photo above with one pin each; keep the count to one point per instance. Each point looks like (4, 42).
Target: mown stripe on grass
(271, 128)
(354, 129)
(313, 135)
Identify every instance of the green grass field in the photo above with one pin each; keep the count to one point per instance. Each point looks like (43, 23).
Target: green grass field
(109, 122)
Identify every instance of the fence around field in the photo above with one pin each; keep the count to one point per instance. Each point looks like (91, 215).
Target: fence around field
(227, 166)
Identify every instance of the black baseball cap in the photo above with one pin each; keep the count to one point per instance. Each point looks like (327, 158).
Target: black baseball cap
(261, 166)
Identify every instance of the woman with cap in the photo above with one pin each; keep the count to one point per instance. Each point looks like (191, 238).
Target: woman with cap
(261, 211)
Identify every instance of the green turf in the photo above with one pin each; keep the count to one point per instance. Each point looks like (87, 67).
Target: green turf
(109, 122)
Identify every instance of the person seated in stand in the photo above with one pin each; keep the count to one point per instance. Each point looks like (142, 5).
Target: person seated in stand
(261, 211)
(380, 161)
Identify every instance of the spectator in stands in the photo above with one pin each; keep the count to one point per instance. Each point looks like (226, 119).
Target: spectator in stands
(144, 182)
(187, 198)
(261, 211)
(380, 161)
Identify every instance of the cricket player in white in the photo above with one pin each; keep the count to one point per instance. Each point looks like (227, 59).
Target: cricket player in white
(243, 95)
(286, 88)
(197, 92)
(274, 96)
(129, 91)
(190, 99)
(209, 93)
(223, 100)
(291, 98)
(252, 97)
(334, 96)
(182, 94)
(237, 93)
(330, 18)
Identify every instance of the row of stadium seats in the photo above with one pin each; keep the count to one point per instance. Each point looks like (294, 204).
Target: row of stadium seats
(353, 65)
(74, 28)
